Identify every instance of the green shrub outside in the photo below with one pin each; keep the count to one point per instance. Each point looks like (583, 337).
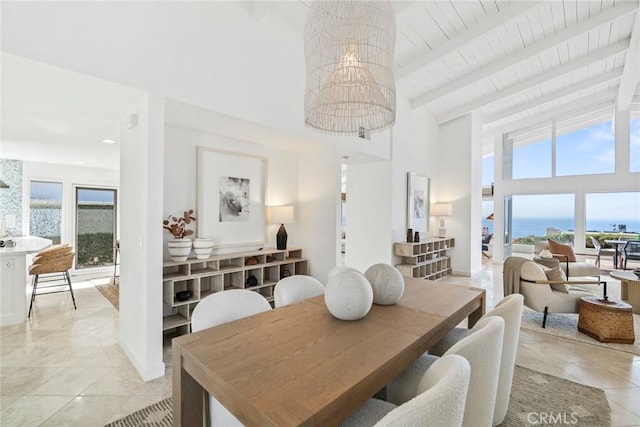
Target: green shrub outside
(568, 238)
(95, 245)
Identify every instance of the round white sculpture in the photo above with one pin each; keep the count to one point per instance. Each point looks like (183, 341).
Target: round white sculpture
(339, 269)
(387, 283)
(348, 295)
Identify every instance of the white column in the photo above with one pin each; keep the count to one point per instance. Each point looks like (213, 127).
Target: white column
(141, 194)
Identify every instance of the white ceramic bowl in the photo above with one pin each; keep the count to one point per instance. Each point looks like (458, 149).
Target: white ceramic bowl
(202, 242)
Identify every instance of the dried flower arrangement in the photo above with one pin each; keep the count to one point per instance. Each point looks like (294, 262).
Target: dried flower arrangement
(177, 226)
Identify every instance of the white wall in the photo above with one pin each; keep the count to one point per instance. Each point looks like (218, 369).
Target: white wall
(141, 171)
(377, 189)
(460, 183)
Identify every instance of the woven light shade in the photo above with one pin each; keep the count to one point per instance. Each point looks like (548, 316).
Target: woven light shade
(349, 50)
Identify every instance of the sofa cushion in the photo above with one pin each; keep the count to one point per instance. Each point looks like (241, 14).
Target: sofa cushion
(558, 248)
(530, 271)
(557, 274)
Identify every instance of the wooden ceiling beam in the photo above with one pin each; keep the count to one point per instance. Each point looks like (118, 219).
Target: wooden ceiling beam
(491, 23)
(617, 11)
(566, 108)
(581, 62)
(552, 96)
(631, 74)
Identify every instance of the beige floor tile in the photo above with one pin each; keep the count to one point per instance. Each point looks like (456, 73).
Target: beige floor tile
(5, 401)
(622, 417)
(71, 381)
(21, 381)
(97, 410)
(629, 399)
(32, 410)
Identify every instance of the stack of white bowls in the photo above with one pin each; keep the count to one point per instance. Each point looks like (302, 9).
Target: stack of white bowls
(202, 246)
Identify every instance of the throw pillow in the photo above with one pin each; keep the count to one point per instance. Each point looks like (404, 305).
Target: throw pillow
(557, 274)
(558, 248)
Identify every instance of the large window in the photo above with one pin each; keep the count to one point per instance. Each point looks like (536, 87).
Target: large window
(612, 212)
(488, 170)
(579, 144)
(541, 216)
(45, 210)
(531, 152)
(95, 227)
(585, 151)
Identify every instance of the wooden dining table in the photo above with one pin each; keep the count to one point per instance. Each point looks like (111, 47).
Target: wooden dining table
(299, 366)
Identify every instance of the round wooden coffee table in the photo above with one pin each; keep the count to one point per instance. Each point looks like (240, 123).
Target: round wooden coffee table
(606, 320)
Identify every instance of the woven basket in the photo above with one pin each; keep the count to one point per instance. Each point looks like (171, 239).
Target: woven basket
(606, 321)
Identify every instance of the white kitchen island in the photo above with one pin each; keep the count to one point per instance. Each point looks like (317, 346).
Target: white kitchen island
(13, 277)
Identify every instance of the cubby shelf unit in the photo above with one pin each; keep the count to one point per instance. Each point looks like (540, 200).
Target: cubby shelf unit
(425, 260)
(202, 277)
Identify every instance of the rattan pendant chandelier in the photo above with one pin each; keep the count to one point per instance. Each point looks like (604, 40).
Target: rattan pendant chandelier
(349, 51)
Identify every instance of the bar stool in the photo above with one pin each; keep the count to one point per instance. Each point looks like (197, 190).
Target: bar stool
(52, 262)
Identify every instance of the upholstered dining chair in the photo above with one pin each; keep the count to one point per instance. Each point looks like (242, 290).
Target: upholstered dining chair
(482, 348)
(440, 399)
(510, 310)
(631, 250)
(51, 266)
(216, 309)
(296, 288)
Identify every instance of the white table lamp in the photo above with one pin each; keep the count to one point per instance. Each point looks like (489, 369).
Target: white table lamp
(281, 215)
(442, 210)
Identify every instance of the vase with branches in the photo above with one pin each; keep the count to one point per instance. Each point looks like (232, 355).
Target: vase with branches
(179, 247)
(177, 226)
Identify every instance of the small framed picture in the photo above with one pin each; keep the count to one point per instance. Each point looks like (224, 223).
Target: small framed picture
(417, 202)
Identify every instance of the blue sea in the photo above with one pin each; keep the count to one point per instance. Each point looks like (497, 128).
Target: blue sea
(538, 226)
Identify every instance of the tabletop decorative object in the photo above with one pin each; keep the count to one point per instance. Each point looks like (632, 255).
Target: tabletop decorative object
(180, 246)
(386, 282)
(348, 295)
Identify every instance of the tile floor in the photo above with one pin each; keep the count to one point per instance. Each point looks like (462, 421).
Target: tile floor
(65, 368)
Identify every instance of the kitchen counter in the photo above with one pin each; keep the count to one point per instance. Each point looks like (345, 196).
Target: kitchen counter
(13, 277)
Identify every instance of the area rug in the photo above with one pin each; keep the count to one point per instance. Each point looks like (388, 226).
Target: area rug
(111, 291)
(566, 326)
(536, 398)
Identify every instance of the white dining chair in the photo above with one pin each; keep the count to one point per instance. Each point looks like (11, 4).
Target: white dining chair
(216, 309)
(293, 289)
(440, 399)
(510, 310)
(482, 348)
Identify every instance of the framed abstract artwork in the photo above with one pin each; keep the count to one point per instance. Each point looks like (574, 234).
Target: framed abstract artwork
(417, 202)
(231, 197)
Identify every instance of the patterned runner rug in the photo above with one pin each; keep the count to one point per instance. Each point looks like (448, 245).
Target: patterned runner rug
(536, 399)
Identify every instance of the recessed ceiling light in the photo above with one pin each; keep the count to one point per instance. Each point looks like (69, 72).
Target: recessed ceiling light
(80, 162)
(108, 141)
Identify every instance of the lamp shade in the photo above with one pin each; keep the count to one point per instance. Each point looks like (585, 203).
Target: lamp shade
(442, 209)
(281, 214)
(349, 54)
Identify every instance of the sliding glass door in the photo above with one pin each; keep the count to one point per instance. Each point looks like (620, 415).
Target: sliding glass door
(95, 226)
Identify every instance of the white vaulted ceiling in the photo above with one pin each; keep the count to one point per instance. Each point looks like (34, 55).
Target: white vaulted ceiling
(515, 62)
